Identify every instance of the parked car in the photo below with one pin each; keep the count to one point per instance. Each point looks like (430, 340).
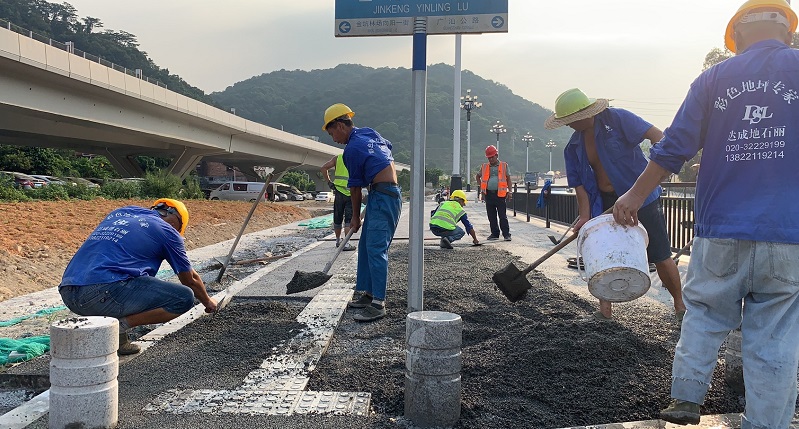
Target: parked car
(281, 196)
(328, 197)
(79, 181)
(51, 180)
(308, 196)
(240, 191)
(23, 181)
(293, 196)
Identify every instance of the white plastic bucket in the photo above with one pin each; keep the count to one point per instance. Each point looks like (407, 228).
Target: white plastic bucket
(615, 260)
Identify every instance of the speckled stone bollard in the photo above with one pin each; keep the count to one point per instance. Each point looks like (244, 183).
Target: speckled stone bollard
(733, 362)
(433, 368)
(83, 373)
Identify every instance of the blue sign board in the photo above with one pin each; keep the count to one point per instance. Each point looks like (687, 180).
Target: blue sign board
(396, 17)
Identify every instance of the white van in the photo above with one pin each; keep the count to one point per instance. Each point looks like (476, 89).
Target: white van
(241, 191)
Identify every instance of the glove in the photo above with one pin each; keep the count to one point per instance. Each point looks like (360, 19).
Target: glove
(332, 186)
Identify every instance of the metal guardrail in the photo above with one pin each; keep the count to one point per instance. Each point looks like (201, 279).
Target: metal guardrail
(70, 48)
(561, 208)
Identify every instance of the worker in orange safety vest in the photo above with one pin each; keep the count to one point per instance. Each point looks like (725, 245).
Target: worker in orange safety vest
(494, 180)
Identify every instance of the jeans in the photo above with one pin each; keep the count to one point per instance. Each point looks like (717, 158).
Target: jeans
(127, 297)
(380, 223)
(452, 234)
(753, 284)
(495, 208)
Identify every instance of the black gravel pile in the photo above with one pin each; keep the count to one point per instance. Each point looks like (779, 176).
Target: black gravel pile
(536, 363)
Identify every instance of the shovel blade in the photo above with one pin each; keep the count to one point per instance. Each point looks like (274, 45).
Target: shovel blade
(511, 282)
(303, 281)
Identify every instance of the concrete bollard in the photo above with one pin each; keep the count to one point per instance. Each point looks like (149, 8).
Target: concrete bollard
(83, 373)
(733, 362)
(433, 368)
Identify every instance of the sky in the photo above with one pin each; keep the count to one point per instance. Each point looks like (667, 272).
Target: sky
(642, 54)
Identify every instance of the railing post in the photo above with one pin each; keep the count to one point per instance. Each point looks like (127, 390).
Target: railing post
(546, 211)
(515, 189)
(527, 202)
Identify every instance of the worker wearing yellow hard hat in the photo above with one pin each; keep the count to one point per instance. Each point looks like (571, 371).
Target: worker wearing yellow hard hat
(120, 260)
(743, 114)
(444, 220)
(370, 164)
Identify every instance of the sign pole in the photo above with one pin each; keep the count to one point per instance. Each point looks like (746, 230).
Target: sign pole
(456, 182)
(416, 236)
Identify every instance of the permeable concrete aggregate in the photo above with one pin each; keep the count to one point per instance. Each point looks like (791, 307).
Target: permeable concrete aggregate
(221, 391)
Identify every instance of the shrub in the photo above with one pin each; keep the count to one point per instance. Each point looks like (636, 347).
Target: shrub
(160, 185)
(81, 192)
(50, 192)
(191, 189)
(117, 189)
(12, 194)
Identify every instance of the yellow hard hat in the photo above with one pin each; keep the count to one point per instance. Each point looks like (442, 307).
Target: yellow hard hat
(177, 206)
(781, 5)
(336, 111)
(458, 194)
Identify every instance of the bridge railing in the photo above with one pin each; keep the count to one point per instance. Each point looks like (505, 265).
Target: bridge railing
(561, 208)
(70, 47)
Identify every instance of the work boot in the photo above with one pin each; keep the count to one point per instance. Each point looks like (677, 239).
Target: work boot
(125, 346)
(507, 237)
(681, 413)
(445, 243)
(371, 312)
(493, 237)
(361, 302)
(348, 247)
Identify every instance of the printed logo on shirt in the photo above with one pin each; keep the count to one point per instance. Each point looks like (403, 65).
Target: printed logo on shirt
(754, 114)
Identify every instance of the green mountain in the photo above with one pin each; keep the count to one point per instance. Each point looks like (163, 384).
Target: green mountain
(295, 100)
(382, 99)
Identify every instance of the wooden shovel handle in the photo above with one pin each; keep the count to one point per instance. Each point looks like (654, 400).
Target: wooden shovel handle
(555, 249)
(551, 252)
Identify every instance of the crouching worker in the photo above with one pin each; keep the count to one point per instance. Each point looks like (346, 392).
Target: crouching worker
(444, 221)
(113, 272)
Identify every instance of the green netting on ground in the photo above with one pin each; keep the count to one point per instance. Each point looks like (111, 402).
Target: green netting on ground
(320, 222)
(13, 351)
(40, 313)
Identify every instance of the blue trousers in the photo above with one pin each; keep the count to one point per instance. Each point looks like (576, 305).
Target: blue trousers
(127, 297)
(452, 234)
(380, 223)
(753, 284)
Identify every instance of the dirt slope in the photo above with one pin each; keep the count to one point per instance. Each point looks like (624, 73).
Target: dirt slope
(37, 239)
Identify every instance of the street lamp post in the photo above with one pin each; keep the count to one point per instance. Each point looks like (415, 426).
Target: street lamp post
(469, 103)
(527, 139)
(551, 145)
(498, 129)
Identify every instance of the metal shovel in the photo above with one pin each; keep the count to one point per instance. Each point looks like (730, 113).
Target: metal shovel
(513, 283)
(303, 281)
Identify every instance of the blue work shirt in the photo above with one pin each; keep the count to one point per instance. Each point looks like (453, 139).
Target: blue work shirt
(366, 154)
(618, 134)
(744, 113)
(130, 242)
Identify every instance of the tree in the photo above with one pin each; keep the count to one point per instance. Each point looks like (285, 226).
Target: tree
(433, 176)
(300, 179)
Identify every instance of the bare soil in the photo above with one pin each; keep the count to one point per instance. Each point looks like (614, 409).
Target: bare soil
(38, 239)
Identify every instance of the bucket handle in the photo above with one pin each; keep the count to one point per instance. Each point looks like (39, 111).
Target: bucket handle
(579, 261)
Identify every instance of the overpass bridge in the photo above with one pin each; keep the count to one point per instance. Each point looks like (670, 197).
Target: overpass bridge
(51, 97)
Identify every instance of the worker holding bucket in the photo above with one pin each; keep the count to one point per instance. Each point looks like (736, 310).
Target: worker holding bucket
(744, 269)
(603, 159)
